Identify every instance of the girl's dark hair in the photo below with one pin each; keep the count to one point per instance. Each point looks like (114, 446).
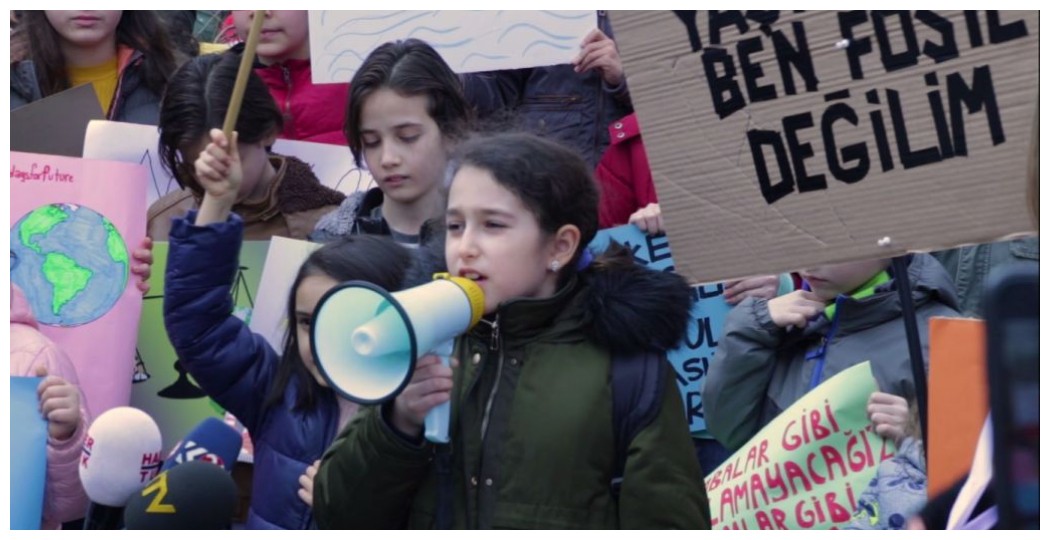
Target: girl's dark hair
(375, 259)
(140, 30)
(411, 68)
(553, 182)
(196, 101)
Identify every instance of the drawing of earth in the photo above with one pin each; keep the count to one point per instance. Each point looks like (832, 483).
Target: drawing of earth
(71, 262)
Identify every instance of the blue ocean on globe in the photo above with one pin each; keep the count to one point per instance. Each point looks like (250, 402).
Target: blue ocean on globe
(71, 262)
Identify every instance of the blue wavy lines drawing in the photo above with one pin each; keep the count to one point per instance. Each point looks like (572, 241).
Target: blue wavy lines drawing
(468, 40)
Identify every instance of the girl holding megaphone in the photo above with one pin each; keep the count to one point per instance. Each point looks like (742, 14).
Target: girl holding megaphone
(532, 436)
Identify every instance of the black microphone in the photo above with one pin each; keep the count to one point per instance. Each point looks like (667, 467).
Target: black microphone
(192, 495)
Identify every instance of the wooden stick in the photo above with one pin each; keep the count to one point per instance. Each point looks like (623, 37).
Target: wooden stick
(247, 59)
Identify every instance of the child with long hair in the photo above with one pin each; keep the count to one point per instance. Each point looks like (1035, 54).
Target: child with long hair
(531, 427)
(126, 55)
(279, 195)
(406, 113)
(281, 397)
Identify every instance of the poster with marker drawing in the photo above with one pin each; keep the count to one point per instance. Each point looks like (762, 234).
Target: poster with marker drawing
(162, 387)
(469, 41)
(74, 224)
(135, 143)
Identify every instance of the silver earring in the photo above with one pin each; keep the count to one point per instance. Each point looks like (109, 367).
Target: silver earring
(555, 265)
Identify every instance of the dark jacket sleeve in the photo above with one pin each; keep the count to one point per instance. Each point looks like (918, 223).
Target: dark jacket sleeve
(662, 483)
(735, 389)
(491, 91)
(233, 365)
(369, 476)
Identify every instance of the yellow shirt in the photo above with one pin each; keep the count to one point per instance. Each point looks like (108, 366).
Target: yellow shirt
(103, 77)
(212, 48)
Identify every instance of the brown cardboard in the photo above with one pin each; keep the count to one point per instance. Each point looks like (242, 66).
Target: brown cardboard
(719, 223)
(57, 124)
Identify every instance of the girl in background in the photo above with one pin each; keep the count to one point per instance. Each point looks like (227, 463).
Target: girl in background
(126, 55)
(405, 115)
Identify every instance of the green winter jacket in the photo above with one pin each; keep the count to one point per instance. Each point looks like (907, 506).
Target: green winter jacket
(534, 450)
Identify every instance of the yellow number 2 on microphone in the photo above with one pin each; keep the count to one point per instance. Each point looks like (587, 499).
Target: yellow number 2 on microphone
(157, 505)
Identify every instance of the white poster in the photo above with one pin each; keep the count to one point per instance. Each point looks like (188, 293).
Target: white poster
(136, 143)
(468, 40)
(269, 315)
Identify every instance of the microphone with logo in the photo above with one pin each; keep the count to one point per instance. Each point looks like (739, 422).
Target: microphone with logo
(194, 495)
(121, 454)
(210, 441)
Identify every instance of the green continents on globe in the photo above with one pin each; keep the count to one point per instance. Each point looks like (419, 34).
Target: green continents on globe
(114, 243)
(39, 222)
(67, 277)
(71, 261)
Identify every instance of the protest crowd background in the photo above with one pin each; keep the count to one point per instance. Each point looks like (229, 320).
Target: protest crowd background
(723, 269)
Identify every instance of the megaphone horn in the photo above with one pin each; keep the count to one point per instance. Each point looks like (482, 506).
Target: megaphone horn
(388, 332)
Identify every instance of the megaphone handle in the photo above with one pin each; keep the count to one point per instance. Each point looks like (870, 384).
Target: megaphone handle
(437, 420)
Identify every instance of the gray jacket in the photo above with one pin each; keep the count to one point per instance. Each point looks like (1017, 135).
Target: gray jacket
(760, 369)
(133, 102)
(970, 267)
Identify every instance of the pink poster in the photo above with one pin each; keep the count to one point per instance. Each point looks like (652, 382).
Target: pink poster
(74, 224)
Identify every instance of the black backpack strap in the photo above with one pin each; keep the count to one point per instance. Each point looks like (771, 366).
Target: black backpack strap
(637, 391)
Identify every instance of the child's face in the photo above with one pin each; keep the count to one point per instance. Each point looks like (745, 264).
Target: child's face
(84, 28)
(495, 240)
(403, 146)
(310, 291)
(285, 34)
(831, 280)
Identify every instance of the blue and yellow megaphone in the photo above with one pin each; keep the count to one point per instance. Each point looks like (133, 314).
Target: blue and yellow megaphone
(366, 340)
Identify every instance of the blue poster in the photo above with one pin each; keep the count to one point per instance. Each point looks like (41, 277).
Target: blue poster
(28, 454)
(693, 356)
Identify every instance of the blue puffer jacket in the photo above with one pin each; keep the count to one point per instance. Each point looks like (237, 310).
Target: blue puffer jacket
(575, 109)
(236, 368)
(133, 102)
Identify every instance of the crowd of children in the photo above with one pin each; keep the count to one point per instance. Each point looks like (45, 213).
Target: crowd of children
(513, 211)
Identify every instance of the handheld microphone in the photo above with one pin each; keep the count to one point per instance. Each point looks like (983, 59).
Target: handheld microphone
(193, 495)
(211, 441)
(121, 453)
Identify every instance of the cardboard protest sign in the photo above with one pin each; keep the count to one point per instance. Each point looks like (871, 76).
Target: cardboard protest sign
(468, 40)
(74, 224)
(806, 468)
(958, 398)
(133, 143)
(56, 124)
(28, 454)
(162, 388)
(781, 140)
(283, 259)
(693, 356)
